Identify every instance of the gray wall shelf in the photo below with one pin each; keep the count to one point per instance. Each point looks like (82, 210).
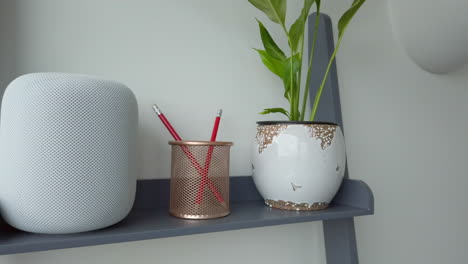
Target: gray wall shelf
(149, 218)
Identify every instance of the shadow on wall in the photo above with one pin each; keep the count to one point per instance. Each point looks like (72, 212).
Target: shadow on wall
(8, 22)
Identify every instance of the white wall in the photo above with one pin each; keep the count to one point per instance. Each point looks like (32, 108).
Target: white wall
(7, 42)
(189, 57)
(406, 132)
(404, 127)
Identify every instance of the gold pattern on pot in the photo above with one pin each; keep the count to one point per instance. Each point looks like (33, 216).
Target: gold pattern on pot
(288, 205)
(266, 134)
(323, 132)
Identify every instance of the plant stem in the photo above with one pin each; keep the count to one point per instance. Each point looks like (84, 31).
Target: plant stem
(291, 90)
(294, 86)
(320, 90)
(291, 94)
(311, 59)
(298, 94)
(292, 98)
(301, 114)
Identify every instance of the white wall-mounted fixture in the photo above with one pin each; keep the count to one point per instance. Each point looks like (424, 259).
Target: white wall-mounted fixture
(433, 33)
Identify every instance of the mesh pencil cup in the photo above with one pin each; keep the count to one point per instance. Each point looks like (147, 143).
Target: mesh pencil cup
(199, 179)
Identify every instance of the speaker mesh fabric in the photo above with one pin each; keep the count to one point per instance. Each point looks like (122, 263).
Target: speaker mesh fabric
(66, 153)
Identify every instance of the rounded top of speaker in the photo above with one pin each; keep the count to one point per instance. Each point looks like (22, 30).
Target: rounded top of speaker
(65, 81)
(70, 94)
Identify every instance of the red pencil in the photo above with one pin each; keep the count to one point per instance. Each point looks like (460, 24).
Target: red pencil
(166, 123)
(193, 160)
(214, 133)
(205, 180)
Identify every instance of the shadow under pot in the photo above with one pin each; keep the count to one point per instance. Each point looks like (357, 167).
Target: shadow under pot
(298, 165)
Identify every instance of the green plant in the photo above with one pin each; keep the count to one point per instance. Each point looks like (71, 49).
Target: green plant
(289, 68)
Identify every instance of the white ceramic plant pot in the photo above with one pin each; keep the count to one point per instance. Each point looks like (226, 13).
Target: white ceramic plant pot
(298, 165)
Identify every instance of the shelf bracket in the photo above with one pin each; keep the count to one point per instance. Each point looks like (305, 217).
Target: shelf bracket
(340, 238)
(340, 241)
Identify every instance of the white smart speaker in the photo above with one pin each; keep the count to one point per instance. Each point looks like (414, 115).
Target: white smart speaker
(66, 153)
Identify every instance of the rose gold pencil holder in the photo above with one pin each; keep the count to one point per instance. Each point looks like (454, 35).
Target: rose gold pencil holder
(199, 179)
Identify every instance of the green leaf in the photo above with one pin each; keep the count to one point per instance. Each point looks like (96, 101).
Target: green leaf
(275, 110)
(269, 43)
(274, 9)
(296, 32)
(347, 16)
(290, 87)
(287, 68)
(274, 65)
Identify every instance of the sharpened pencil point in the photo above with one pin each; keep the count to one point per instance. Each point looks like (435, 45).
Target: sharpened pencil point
(156, 109)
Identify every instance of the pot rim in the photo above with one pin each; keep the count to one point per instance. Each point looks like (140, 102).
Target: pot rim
(288, 122)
